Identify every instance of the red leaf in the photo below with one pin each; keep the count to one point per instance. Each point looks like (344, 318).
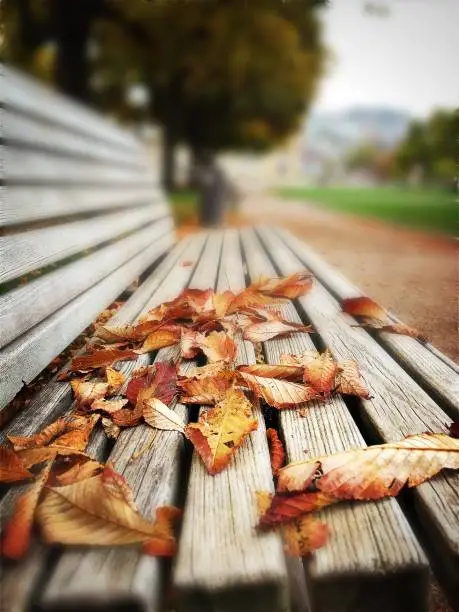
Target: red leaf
(100, 359)
(276, 450)
(11, 466)
(288, 507)
(161, 378)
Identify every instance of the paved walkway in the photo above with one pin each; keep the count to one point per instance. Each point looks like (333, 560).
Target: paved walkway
(412, 273)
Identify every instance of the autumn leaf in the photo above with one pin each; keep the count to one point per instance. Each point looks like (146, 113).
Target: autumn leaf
(266, 330)
(78, 436)
(128, 417)
(86, 392)
(248, 299)
(365, 307)
(164, 336)
(291, 287)
(100, 359)
(116, 485)
(320, 373)
(42, 438)
(159, 416)
(115, 379)
(109, 406)
(301, 360)
(281, 372)
(404, 330)
(349, 380)
(218, 346)
(221, 303)
(205, 390)
(189, 343)
(163, 544)
(111, 430)
(221, 430)
(11, 466)
(80, 471)
(287, 507)
(376, 471)
(160, 378)
(276, 450)
(278, 393)
(17, 531)
(95, 512)
(111, 335)
(33, 456)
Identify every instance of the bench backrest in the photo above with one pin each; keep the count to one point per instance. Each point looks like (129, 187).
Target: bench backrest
(81, 216)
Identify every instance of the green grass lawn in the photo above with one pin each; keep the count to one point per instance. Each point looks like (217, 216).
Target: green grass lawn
(428, 209)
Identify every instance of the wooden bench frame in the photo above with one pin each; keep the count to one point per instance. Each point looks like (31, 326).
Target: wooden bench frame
(376, 559)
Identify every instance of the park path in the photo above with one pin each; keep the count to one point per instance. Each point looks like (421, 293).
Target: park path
(412, 273)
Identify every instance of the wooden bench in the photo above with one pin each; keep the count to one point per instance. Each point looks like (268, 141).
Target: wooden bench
(75, 182)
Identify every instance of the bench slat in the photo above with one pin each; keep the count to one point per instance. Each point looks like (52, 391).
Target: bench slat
(440, 376)
(42, 167)
(223, 564)
(27, 251)
(399, 407)
(372, 554)
(30, 96)
(24, 204)
(108, 577)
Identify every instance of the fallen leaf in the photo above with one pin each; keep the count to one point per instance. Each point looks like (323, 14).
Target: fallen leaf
(42, 438)
(86, 392)
(100, 359)
(291, 287)
(128, 417)
(365, 307)
(96, 513)
(276, 450)
(247, 299)
(80, 471)
(404, 330)
(189, 343)
(17, 531)
(221, 430)
(163, 544)
(77, 438)
(205, 390)
(124, 334)
(11, 466)
(187, 263)
(33, 456)
(320, 373)
(278, 393)
(115, 379)
(266, 330)
(109, 406)
(164, 336)
(160, 378)
(285, 508)
(221, 302)
(281, 372)
(218, 346)
(111, 430)
(349, 380)
(299, 360)
(115, 484)
(158, 415)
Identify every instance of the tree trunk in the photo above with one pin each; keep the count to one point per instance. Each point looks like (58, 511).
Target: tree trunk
(72, 24)
(211, 185)
(168, 161)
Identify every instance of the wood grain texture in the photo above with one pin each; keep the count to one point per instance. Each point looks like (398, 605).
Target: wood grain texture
(24, 204)
(372, 560)
(26, 356)
(27, 305)
(27, 251)
(99, 579)
(223, 564)
(399, 407)
(29, 96)
(438, 375)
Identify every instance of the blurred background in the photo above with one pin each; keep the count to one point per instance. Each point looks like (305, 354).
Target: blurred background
(336, 119)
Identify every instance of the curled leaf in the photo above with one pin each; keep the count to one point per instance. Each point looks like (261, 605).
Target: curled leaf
(276, 450)
(42, 438)
(100, 359)
(349, 380)
(281, 372)
(115, 379)
(109, 406)
(290, 287)
(12, 468)
(86, 392)
(164, 336)
(278, 393)
(320, 373)
(285, 508)
(365, 307)
(78, 437)
(80, 471)
(111, 430)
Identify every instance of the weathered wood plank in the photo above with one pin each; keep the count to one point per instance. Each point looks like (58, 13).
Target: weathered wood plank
(399, 407)
(373, 556)
(101, 579)
(28, 95)
(43, 167)
(30, 132)
(25, 204)
(223, 564)
(26, 356)
(438, 375)
(27, 305)
(23, 252)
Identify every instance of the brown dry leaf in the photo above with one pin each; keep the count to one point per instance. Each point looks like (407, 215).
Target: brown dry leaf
(299, 360)
(160, 379)
(278, 393)
(205, 390)
(115, 379)
(95, 512)
(285, 508)
(109, 406)
(206, 371)
(247, 299)
(281, 372)
(78, 437)
(218, 346)
(350, 381)
(376, 471)
(266, 330)
(159, 416)
(86, 392)
(166, 335)
(404, 330)
(320, 373)
(128, 417)
(124, 334)
(43, 437)
(365, 307)
(222, 429)
(80, 471)
(12, 468)
(163, 544)
(100, 359)
(116, 485)
(221, 302)
(290, 287)
(33, 456)
(17, 532)
(276, 450)
(189, 343)
(111, 430)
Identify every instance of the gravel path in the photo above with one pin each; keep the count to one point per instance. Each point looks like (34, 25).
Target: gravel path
(411, 273)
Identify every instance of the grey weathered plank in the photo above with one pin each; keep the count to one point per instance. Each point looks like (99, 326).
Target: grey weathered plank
(372, 557)
(399, 407)
(30, 96)
(26, 356)
(44, 167)
(107, 577)
(24, 204)
(23, 252)
(27, 131)
(438, 375)
(27, 305)
(223, 564)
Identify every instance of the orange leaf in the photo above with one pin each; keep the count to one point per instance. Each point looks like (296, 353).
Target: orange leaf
(266, 330)
(205, 390)
(164, 543)
(109, 406)
(164, 336)
(111, 430)
(115, 484)
(289, 507)
(291, 287)
(77, 438)
(222, 429)
(299, 360)
(111, 335)
(404, 330)
(365, 307)
(100, 359)
(376, 471)
(160, 379)
(276, 450)
(115, 379)
(11, 466)
(281, 372)
(80, 471)
(221, 303)
(17, 532)
(349, 380)
(127, 417)
(33, 456)
(86, 392)
(41, 438)
(248, 298)
(218, 346)
(320, 373)
(158, 415)
(189, 343)
(278, 393)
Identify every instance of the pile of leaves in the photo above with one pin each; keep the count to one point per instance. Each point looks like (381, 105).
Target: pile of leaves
(75, 499)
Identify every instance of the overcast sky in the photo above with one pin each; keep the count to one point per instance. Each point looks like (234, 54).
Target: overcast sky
(408, 59)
